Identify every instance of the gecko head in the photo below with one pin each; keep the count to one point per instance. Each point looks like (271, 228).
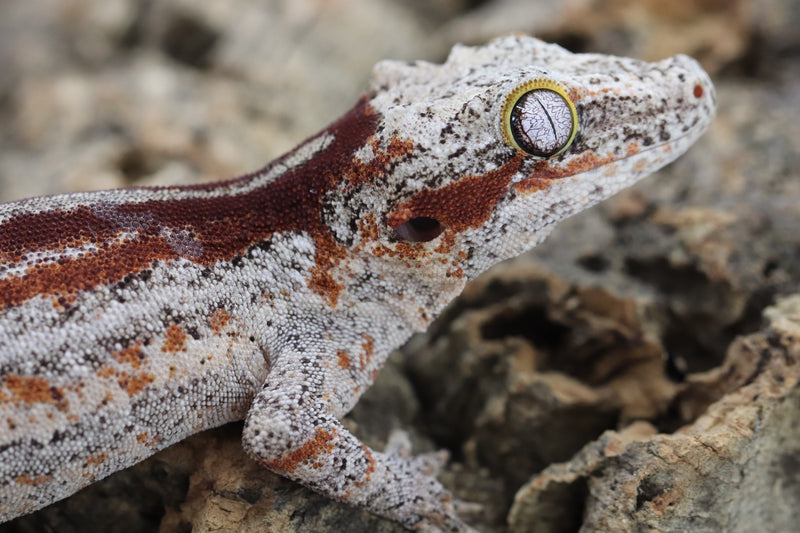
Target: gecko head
(475, 160)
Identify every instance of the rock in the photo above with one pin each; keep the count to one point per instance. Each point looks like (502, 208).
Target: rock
(715, 32)
(168, 92)
(734, 468)
(531, 368)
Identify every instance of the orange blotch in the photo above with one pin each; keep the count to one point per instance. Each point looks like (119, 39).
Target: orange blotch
(448, 239)
(370, 465)
(343, 360)
(33, 481)
(97, 459)
(402, 250)
(218, 320)
(368, 346)
(134, 384)
(321, 443)
(328, 254)
(32, 390)
(131, 383)
(377, 166)
(131, 355)
(175, 340)
(610, 169)
(455, 273)
(368, 228)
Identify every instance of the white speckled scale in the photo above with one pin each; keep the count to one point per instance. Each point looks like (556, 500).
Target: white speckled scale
(130, 319)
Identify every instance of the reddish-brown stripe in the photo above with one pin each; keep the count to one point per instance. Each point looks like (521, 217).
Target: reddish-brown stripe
(466, 203)
(69, 276)
(545, 171)
(218, 228)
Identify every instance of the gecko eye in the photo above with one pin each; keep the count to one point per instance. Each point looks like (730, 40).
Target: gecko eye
(419, 229)
(539, 118)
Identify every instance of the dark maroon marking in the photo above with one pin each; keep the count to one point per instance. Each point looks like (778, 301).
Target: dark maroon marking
(224, 226)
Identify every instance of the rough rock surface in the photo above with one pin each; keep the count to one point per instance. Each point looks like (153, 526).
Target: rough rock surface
(734, 468)
(636, 372)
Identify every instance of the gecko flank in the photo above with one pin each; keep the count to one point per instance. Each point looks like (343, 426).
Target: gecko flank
(130, 319)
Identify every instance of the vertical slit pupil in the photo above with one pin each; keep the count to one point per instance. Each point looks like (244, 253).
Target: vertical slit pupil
(541, 122)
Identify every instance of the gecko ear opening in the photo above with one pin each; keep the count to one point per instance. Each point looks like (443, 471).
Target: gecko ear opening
(419, 229)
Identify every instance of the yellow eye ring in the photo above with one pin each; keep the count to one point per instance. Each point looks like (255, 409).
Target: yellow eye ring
(539, 118)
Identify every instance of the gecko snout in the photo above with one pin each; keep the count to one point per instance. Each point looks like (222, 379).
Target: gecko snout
(694, 83)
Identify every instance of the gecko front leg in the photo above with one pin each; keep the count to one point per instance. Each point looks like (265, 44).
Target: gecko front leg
(292, 429)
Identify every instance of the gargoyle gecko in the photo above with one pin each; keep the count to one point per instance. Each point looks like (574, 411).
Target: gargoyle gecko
(132, 318)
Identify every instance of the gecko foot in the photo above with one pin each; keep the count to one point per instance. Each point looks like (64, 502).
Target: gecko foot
(449, 511)
(311, 446)
(429, 464)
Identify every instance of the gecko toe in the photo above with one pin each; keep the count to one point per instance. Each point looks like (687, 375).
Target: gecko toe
(399, 443)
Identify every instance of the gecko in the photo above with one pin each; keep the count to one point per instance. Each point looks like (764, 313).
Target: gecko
(133, 318)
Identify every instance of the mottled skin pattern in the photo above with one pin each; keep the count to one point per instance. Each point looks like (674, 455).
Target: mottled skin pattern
(132, 318)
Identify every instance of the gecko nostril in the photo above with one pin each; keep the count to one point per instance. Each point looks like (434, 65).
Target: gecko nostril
(698, 91)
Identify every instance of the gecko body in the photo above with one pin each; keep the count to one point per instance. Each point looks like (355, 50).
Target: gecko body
(132, 318)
